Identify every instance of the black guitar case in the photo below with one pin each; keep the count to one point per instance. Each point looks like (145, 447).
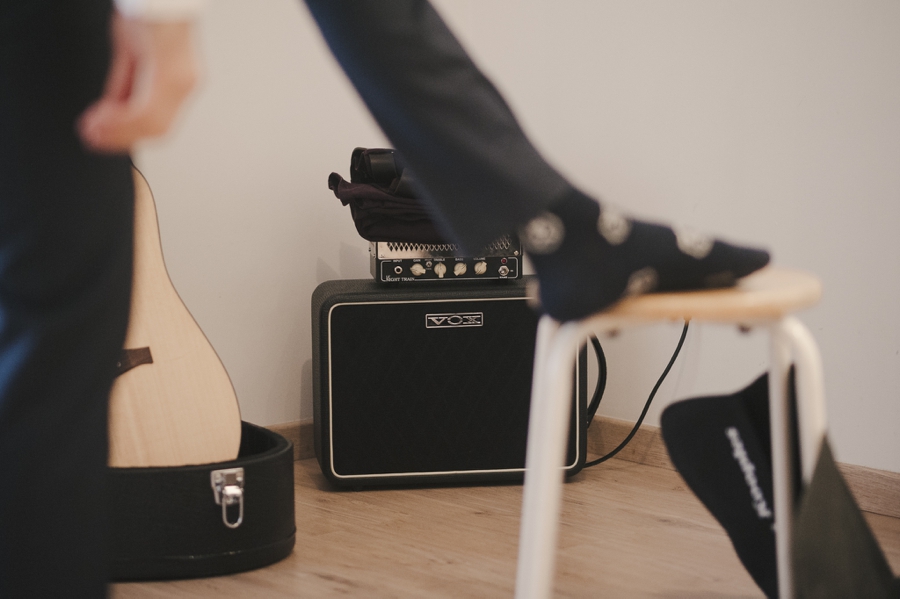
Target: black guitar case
(204, 520)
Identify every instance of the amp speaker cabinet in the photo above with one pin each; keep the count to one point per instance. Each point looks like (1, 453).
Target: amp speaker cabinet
(418, 384)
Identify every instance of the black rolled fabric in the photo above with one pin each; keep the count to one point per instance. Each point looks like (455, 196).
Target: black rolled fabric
(377, 165)
(382, 199)
(380, 214)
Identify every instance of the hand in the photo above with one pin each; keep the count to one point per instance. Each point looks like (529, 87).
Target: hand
(152, 72)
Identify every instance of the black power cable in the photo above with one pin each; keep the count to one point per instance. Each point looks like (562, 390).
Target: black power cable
(601, 381)
(598, 393)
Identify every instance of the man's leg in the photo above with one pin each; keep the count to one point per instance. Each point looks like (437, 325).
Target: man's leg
(449, 122)
(484, 177)
(65, 276)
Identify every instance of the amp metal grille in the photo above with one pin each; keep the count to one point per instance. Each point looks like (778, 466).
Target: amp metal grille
(506, 245)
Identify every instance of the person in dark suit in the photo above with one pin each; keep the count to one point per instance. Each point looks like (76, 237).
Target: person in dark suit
(73, 101)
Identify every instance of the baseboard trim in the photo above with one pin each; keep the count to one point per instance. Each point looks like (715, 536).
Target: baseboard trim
(300, 433)
(876, 491)
(647, 447)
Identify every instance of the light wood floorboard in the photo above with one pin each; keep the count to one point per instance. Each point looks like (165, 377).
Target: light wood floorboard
(628, 530)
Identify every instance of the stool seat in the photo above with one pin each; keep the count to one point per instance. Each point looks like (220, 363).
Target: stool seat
(766, 294)
(765, 299)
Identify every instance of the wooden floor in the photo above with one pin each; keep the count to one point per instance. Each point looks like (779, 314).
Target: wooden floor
(628, 530)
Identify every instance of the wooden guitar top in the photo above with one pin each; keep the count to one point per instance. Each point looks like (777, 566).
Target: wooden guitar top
(173, 403)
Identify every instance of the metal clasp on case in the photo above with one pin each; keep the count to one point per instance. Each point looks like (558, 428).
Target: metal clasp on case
(228, 487)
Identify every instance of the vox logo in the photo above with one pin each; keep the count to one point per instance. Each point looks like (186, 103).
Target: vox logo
(449, 321)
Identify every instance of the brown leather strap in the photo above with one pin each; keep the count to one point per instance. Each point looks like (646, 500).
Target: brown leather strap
(131, 358)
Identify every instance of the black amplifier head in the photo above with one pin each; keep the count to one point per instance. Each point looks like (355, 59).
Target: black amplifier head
(396, 262)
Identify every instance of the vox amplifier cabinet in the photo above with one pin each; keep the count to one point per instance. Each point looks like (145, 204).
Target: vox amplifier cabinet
(427, 384)
(395, 262)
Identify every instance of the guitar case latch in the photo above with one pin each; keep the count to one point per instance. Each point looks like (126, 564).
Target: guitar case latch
(228, 488)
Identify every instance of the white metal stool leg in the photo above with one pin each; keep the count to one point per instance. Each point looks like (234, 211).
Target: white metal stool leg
(762, 298)
(810, 394)
(548, 425)
(790, 340)
(782, 475)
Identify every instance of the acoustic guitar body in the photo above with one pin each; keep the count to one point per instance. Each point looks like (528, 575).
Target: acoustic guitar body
(173, 403)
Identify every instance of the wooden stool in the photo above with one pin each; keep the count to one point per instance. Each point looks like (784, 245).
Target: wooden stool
(763, 299)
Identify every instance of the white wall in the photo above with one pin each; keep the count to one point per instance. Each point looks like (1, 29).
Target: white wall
(771, 123)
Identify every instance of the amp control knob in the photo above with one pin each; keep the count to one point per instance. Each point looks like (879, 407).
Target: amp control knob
(440, 269)
(459, 269)
(480, 268)
(417, 269)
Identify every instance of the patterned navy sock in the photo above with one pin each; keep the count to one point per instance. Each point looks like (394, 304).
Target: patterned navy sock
(588, 257)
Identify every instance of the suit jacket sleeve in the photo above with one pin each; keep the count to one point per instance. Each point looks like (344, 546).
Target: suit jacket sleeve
(474, 164)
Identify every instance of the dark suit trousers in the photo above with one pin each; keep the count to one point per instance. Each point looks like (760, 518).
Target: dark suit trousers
(475, 165)
(65, 277)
